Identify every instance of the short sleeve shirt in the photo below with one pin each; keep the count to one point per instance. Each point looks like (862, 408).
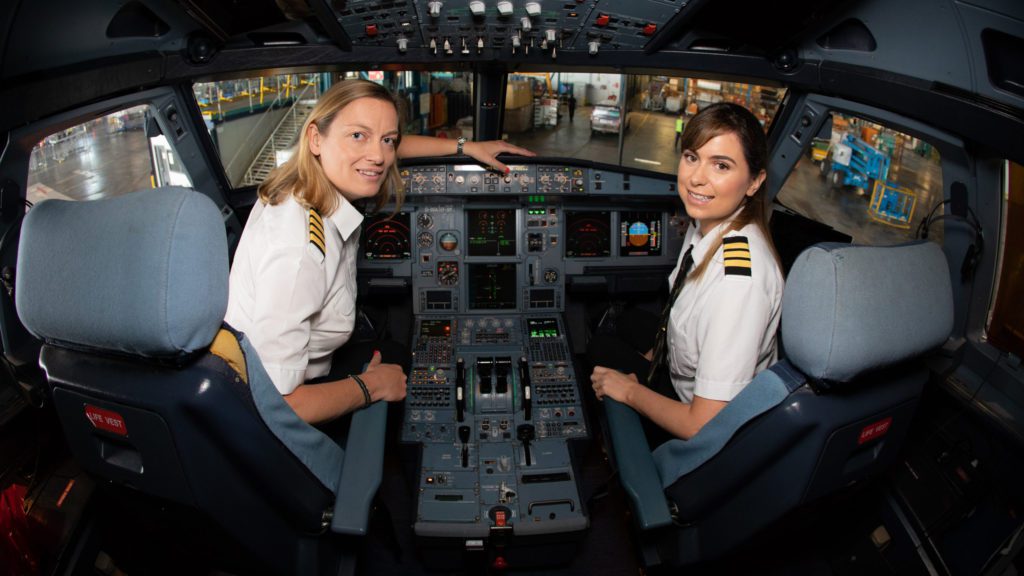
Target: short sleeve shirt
(723, 326)
(293, 287)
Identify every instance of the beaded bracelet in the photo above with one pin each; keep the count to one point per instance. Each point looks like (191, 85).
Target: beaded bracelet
(362, 386)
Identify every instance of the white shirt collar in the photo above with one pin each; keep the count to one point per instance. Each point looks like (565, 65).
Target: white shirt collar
(346, 218)
(701, 242)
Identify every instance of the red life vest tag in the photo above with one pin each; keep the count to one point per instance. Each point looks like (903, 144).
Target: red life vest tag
(107, 420)
(875, 430)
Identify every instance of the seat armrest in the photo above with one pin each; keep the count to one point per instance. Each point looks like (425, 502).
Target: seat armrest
(636, 468)
(362, 471)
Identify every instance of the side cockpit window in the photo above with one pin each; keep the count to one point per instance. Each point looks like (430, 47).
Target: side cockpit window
(115, 154)
(871, 182)
(1006, 318)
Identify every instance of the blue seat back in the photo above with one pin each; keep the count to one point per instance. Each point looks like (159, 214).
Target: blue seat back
(127, 293)
(856, 321)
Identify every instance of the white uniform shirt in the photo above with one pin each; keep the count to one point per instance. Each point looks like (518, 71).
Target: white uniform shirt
(294, 301)
(722, 327)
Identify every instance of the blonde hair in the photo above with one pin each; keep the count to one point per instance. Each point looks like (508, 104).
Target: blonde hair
(303, 177)
(725, 118)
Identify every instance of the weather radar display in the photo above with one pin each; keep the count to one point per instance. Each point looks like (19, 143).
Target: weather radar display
(588, 234)
(387, 237)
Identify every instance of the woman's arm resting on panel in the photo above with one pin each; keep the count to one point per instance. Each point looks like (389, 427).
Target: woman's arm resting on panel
(316, 403)
(414, 146)
(679, 419)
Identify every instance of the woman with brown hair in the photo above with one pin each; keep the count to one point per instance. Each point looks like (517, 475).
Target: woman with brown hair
(293, 285)
(719, 326)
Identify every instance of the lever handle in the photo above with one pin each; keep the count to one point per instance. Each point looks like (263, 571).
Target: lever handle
(460, 390)
(524, 379)
(464, 438)
(525, 433)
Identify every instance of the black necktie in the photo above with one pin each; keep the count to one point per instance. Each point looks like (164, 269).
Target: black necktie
(658, 359)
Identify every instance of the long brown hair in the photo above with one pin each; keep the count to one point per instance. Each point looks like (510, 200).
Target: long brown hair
(723, 118)
(302, 175)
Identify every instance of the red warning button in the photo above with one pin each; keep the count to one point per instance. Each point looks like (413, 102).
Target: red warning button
(875, 430)
(107, 420)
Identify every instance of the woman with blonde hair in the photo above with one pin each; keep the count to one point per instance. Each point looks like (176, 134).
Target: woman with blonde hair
(293, 284)
(719, 326)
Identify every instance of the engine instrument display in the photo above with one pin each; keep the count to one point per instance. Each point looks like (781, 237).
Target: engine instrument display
(543, 327)
(640, 233)
(387, 237)
(492, 286)
(491, 232)
(587, 234)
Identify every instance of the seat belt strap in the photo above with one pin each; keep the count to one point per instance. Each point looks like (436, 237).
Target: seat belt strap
(225, 346)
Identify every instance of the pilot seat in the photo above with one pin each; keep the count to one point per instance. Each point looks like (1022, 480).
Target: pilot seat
(857, 322)
(128, 295)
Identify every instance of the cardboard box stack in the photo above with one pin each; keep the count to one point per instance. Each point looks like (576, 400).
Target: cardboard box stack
(518, 106)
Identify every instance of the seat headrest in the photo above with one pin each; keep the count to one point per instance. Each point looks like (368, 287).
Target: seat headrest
(145, 273)
(851, 309)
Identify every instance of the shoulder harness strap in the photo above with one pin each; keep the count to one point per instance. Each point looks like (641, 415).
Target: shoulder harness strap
(737, 255)
(225, 346)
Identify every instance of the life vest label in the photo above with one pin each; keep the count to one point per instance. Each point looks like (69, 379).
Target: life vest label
(107, 420)
(874, 430)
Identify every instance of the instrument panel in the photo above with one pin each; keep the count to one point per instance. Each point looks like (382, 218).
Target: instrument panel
(475, 242)
(494, 413)
(493, 405)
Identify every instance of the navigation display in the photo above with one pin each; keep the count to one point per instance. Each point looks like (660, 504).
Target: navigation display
(387, 237)
(587, 234)
(491, 232)
(640, 233)
(492, 286)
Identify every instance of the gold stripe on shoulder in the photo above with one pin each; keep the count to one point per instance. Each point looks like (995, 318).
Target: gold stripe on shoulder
(316, 232)
(736, 256)
(316, 220)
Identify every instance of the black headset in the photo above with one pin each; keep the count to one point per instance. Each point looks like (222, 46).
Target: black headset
(974, 250)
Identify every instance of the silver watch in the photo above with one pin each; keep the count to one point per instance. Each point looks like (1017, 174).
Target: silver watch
(461, 141)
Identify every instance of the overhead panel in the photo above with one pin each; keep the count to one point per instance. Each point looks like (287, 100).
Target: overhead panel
(504, 28)
(380, 23)
(624, 25)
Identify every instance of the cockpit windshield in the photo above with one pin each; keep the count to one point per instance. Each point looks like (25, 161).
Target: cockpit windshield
(255, 121)
(619, 119)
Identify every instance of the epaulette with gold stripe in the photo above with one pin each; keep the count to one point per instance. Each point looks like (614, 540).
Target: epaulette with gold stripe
(737, 256)
(316, 232)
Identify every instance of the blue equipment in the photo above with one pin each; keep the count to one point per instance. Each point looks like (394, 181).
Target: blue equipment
(856, 163)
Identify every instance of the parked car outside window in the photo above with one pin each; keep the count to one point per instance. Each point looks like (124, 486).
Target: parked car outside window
(605, 119)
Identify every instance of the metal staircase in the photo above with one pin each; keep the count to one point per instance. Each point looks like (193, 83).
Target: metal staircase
(282, 138)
